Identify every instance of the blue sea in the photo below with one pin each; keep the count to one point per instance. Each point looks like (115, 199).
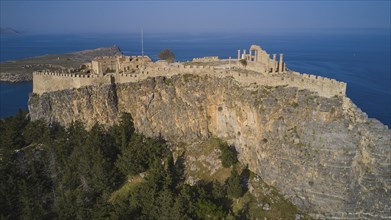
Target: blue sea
(361, 58)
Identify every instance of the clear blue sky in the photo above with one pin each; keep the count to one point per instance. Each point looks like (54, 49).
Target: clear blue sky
(190, 16)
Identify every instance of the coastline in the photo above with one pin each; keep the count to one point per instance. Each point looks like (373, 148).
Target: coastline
(21, 70)
(368, 84)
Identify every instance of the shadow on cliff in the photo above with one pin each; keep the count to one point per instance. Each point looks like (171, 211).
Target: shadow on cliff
(244, 178)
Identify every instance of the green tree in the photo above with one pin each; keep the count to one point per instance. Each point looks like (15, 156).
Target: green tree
(166, 55)
(164, 205)
(72, 174)
(243, 62)
(133, 159)
(182, 206)
(36, 131)
(98, 167)
(219, 190)
(140, 154)
(11, 131)
(209, 210)
(234, 188)
(86, 175)
(127, 128)
(228, 155)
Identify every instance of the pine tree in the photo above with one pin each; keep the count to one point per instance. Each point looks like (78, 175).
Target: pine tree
(234, 188)
(228, 155)
(127, 129)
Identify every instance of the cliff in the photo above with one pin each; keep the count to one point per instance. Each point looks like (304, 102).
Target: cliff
(323, 154)
(21, 70)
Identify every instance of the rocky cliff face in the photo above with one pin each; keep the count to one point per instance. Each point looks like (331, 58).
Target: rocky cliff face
(323, 154)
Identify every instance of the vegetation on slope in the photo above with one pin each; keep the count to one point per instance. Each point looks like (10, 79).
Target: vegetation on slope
(70, 173)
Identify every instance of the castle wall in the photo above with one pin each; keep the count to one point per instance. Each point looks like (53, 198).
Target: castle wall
(100, 67)
(206, 59)
(47, 82)
(96, 67)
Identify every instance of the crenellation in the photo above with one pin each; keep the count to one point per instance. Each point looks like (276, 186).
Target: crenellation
(206, 59)
(46, 81)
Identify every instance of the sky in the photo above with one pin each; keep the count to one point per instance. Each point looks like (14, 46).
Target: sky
(190, 16)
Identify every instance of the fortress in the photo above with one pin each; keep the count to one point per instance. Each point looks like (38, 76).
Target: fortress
(322, 154)
(261, 70)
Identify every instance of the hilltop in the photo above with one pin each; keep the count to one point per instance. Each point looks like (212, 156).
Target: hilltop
(298, 132)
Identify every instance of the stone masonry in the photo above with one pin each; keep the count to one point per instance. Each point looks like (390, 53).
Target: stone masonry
(261, 70)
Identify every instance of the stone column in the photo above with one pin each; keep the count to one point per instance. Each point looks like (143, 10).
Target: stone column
(281, 63)
(255, 55)
(274, 66)
(238, 54)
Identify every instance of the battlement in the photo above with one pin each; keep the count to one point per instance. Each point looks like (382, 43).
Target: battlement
(104, 57)
(54, 81)
(206, 59)
(265, 71)
(63, 74)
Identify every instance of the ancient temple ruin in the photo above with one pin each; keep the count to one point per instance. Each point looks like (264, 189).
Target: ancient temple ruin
(259, 60)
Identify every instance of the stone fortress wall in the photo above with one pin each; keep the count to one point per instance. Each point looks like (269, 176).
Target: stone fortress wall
(206, 59)
(268, 72)
(48, 82)
(55, 81)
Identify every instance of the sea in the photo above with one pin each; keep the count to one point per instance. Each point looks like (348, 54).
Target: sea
(359, 57)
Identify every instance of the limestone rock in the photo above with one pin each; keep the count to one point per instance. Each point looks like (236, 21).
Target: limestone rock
(323, 154)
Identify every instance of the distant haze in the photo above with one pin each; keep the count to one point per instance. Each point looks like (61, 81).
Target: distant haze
(191, 16)
(8, 30)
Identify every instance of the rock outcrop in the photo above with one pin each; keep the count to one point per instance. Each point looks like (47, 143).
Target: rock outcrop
(323, 154)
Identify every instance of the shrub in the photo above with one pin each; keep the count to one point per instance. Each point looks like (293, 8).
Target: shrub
(166, 55)
(228, 155)
(243, 62)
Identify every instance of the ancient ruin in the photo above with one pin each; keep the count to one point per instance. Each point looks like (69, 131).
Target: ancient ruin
(117, 64)
(260, 70)
(259, 60)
